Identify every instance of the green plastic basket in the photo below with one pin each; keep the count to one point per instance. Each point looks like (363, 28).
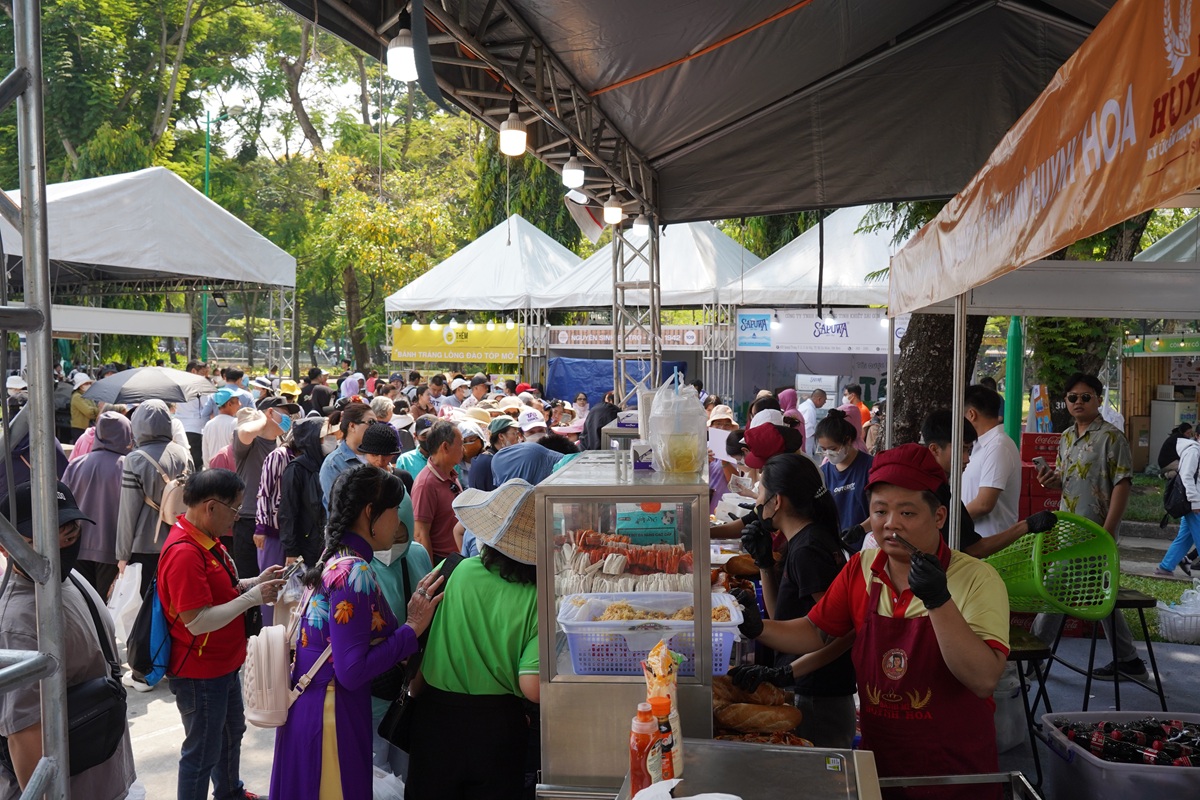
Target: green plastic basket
(1072, 569)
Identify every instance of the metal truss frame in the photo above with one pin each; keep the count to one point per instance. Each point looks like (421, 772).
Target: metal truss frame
(281, 335)
(637, 330)
(533, 335)
(720, 349)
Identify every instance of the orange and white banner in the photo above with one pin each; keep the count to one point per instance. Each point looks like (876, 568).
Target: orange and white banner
(1117, 132)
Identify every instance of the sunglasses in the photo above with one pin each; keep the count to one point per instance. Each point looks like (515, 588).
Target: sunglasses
(1078, 398)
(454, 487)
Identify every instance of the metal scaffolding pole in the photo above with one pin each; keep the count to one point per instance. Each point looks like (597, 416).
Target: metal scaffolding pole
(51, 772)
(637, 329)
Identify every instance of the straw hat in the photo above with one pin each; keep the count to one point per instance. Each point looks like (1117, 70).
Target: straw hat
(502, 519)
(509, 403)
(477, 414)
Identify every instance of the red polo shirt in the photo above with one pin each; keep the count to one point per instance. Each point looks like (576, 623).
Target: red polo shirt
(433, 497)
(190, 577)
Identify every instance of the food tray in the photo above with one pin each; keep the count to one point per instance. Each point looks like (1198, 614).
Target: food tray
(618, 648)
(1178, 626)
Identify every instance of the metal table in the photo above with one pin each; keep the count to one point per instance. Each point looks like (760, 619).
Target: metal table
(611, 435)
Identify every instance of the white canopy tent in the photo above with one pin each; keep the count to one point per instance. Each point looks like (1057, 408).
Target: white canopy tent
(150, 224)
(788, 277)
(496, 272)
(695, 260)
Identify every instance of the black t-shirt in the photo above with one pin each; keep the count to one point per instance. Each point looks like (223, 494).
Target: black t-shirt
(322, 396)
(967, 534)
(811, 562)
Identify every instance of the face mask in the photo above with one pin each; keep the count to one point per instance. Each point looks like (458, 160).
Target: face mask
(533, 437)
(328, 444)
(285, 423)
(395, 553)
(67, 556)
(835, 456)
(768, 523)
(258, 394)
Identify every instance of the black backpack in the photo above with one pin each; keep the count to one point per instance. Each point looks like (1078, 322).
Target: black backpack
(1175, 500)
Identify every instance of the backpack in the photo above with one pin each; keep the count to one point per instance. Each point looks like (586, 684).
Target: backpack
(267, 691)
(62, 403)
(148, 649)
(1175, 499)
(170, 504)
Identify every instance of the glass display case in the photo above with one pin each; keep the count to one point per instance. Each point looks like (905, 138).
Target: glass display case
(623, 563)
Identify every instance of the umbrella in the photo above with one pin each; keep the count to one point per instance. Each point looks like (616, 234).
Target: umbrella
(149, 383)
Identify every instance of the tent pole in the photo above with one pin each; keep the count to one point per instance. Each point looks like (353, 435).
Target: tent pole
(1014, 380)
(957, 417)
(891, 362)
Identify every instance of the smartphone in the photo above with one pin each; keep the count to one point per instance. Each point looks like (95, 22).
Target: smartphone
(296, 566)
(1040, 463)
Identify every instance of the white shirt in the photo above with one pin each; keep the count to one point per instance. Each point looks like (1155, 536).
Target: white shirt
(189, 414)
(218, 432)
(995, 463)
(808, 411)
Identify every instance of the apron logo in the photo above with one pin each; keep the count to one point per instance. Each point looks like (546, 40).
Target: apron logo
(895, 664)
(1177, 39)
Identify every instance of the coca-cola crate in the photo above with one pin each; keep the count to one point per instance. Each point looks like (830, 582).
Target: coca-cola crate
(1073, 629)
(1039, 444)
(1072, 771)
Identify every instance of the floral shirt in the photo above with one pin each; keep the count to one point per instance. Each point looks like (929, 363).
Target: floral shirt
(1091, 464)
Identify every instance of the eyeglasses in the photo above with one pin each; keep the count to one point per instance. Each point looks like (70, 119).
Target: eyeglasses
(233, 508)
(1086, 397)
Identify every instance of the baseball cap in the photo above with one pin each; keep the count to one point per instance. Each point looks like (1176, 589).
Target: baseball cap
(68, 509)
(459, 383)
(380, 439)
(530, 419)
(909, 466)
(278, 403)
(523, 387)
(769, 440)
(501, 424)
(721, 412)
(423, 424)
(479, 380)
(222, 396)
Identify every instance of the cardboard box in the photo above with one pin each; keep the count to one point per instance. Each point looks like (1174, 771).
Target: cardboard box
(1139, 442)
(627, 419)
(1040, 444)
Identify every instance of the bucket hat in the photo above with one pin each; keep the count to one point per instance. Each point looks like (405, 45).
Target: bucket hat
(502, 519)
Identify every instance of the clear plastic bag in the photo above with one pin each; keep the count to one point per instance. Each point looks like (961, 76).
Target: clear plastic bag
(678, 428)
(126, 600)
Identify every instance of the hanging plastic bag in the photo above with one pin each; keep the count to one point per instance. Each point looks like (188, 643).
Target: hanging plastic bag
(288, 601)
(126, 599)
(678, 428)
(385, 785)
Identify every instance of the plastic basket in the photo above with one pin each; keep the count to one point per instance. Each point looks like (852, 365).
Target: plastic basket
(1071, 569)
(618, 648)
(1178, 626)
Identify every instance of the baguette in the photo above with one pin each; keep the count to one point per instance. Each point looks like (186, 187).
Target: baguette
(753, 718)
(724, 693)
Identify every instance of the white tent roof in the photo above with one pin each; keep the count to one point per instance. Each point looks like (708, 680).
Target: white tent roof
(788, 277)
(695, 259)
(153, 221)
(496, 272)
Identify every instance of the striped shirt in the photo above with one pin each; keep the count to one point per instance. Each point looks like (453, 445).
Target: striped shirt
(266, 510)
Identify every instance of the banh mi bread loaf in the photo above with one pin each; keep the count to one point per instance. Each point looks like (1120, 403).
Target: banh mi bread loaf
(724, 693)
(741, 567)
(754, 718)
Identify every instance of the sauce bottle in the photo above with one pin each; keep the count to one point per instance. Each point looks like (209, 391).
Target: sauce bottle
(645, 760)
(660, 707)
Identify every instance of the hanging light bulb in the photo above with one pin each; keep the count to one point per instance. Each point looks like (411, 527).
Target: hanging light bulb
(613, 211)
(641, 225)
(775, 321)
(573, 174)
(397, 323)
(416, 325)
(401, 59)
(491, 326)
(470, 324)
(453, 323)
(508, 323)
(512, 132)
(434, 325)
(883, 322)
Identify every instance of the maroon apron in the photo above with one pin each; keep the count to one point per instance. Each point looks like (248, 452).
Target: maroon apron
(916, 717)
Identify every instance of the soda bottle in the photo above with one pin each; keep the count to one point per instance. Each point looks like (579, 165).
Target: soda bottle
(645, 761)
(660, 707)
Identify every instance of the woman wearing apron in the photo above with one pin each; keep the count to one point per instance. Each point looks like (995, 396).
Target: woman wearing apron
(931, 631)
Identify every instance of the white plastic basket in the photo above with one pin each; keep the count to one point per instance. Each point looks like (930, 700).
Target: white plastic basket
(618, 648)
(1178, 626)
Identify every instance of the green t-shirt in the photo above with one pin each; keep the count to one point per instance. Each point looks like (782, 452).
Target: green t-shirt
(484, 634)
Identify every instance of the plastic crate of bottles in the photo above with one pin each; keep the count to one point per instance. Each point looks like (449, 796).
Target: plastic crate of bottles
(619, 647)
(1073, 771)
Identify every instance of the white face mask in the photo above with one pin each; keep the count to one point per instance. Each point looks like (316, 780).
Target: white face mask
(395, 552)
(328, 444)
(533, 437)
(835, 456)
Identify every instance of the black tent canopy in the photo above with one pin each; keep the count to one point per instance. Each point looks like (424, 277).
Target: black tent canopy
(707, 109)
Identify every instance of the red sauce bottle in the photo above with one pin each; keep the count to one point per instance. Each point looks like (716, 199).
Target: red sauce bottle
(645, 760)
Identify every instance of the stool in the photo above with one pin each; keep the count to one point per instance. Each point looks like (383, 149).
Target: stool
(1126, 598)
(1025, 648)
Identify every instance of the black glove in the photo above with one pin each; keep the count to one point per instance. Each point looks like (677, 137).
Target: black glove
(752, 624)
(749, 677)
(757, 542)
(927, 580)
(853, 538)
(1041, 522)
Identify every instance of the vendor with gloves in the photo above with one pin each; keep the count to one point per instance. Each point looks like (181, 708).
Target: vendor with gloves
(931, 630)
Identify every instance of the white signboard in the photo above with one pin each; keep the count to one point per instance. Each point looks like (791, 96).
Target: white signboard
(799, 330)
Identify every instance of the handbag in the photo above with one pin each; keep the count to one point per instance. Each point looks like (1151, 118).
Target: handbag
(392, 683)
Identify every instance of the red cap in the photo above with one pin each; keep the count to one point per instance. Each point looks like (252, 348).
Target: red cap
(523, 387)
(909, 466)
(764, 441)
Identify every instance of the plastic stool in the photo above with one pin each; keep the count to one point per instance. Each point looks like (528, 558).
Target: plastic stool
(1025, 648)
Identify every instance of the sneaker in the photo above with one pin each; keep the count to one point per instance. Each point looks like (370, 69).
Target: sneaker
(1134, 668)
(133, 683)
(253, 796)
(1186, 566)
(1159, 572)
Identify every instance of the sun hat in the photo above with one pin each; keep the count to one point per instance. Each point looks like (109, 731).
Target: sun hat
(16, 382)
(380, 439)
(909, 466)
(501, 424)
(68, 509)
(459, 383)
(476, 414)
(721, 412)
(575, 427)
(222, 396)
(469, 427)
(289, 386)
(402, 421)
(247, 415)
(530, 419)
(768, 415)
(82, 379)
(488, 404)
(508, 403)
(262, 383)
(502, 519)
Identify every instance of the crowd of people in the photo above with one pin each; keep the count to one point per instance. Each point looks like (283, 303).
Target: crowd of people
(404, 497)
